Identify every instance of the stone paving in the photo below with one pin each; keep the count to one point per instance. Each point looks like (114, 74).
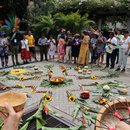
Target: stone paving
(60, 101)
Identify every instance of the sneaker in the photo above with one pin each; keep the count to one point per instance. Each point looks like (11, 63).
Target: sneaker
(123, 70)
(118, 69)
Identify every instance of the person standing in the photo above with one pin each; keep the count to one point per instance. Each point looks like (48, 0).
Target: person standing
(31, 45)
(62, 33)
(103, 40)
(84, 49)
(76, 47)
(93, 42)
(61, 48)
(100, 49)
(25, 53)
(123, 51)
(52, 48)
(14, 39)
(43, 44)
(69, 41)
(110, 49)
(4, 50)
(119, 36)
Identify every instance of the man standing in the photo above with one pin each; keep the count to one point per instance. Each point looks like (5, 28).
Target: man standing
(31, 45)
(69, 42)
(119, 36)
(14, 39)
(123, 51)
(110, 49)
(43, 43)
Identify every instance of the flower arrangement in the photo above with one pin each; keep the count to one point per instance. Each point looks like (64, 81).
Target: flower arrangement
(17, 71)
(93, 77)
(102, 101)
(47, 83)
(70, 96)
(47, 97)
(64, 70)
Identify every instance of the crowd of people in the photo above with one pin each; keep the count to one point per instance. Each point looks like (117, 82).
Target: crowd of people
(75, 48)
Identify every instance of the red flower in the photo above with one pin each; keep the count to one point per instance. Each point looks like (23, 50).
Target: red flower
(62, 67)
(46, 110)
(83, 120)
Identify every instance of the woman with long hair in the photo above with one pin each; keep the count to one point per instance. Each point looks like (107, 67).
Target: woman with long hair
(61, 48)
(84, 49)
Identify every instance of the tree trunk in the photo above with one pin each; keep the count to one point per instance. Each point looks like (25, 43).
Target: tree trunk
(100, 24)
(128, 24)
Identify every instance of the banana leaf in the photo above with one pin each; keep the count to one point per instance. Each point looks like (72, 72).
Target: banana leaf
(76, 110)
(38, 117)
(1, 123)
(24, 67)
(3, 73)
(49, 67)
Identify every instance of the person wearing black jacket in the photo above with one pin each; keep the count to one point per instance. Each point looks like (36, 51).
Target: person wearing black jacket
(69, 42)
(14, 39)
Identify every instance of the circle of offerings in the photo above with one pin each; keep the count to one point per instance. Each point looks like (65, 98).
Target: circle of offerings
(14, 99)
(112, 113)
(57, 80)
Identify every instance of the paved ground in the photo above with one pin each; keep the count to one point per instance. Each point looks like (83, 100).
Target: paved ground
(60, 101)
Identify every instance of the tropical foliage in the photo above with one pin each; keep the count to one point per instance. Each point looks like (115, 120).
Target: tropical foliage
(73, 21)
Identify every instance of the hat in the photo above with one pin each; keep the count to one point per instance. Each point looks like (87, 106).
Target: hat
(95, 33)
(77, 35)
(2, 33)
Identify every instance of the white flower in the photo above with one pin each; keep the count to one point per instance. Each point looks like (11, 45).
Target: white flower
(106, 87)
(86, 67)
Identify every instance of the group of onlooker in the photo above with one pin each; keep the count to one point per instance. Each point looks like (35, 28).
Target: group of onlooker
(116, 48)
(77, 47)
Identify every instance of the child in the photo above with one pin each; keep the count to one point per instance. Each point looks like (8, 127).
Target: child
(52, 48)
(25, 53)
(4, 50)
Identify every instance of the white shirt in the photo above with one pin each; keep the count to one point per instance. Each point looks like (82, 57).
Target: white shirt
(42, 41)
(3, 40)
(125, 42)
(24, 44)
(113, 41)
(53, 40)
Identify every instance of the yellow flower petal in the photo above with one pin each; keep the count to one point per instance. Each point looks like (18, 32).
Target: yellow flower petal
(17, 71)
(18, 85)
(71, 98)
(47, 98)
(23, 86)
(33, 91)
(44, 94)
